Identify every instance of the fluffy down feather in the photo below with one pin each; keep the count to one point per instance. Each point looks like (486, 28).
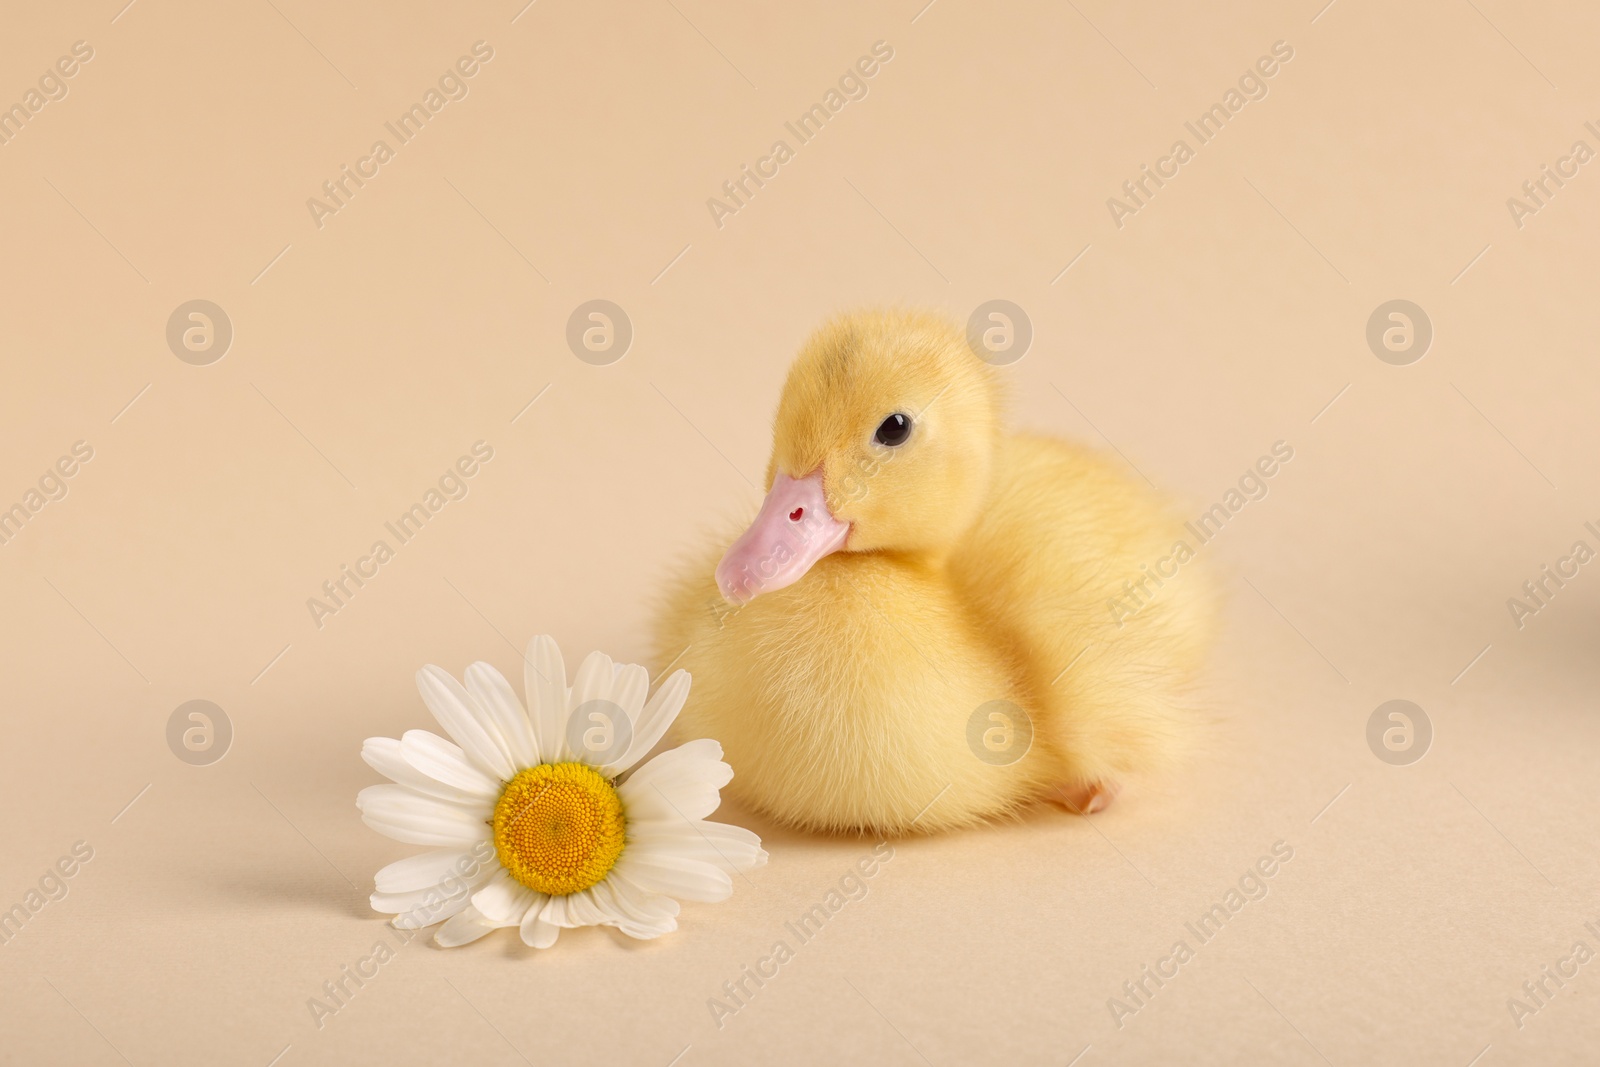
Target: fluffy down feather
(978, 567)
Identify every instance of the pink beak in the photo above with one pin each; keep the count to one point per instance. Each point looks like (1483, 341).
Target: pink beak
(792, 531)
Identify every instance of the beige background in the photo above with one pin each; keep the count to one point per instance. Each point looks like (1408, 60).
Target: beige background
(427, 313)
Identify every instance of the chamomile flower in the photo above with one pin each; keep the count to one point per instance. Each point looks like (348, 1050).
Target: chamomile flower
(538, 816)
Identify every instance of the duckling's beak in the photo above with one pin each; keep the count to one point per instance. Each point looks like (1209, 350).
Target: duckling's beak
(792, 531)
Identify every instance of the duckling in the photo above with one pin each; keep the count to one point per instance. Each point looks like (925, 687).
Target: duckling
(929, 622)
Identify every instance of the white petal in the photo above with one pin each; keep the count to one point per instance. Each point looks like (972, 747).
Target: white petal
(397, 812)
(464, 721)
(607, 911)
(495, 695)
(426, 832)
(584, 910)
(643, 932)
(382, 754)
(648, 931)
(733, 848)
(544, 680)
(426, 870)
(423, 907)
(676, 876)
(426, 914)
(629, 916)
(387, 798)
(444, 762)
(556, 911)
(629, 687)
(504, 899)
(400, 903)
(651, 725)
(452, 891)
(637, 903)
(536, 932)
(595, 675)
(462, 929)
(628, 691)
(385, 755)
(681, 783)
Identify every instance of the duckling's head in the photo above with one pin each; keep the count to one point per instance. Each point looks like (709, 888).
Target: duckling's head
(883, 443)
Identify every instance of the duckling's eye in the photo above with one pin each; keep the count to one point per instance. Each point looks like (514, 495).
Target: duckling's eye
(894, 430)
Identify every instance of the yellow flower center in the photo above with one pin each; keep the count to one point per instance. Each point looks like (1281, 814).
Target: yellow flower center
(558, 827)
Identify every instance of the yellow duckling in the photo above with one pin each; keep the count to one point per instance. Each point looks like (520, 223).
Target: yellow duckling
(929, 623)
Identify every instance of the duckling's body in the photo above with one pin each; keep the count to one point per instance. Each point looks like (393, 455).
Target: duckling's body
(894, 682)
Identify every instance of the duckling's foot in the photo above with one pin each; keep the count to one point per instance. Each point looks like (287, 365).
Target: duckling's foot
(1086, 798)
